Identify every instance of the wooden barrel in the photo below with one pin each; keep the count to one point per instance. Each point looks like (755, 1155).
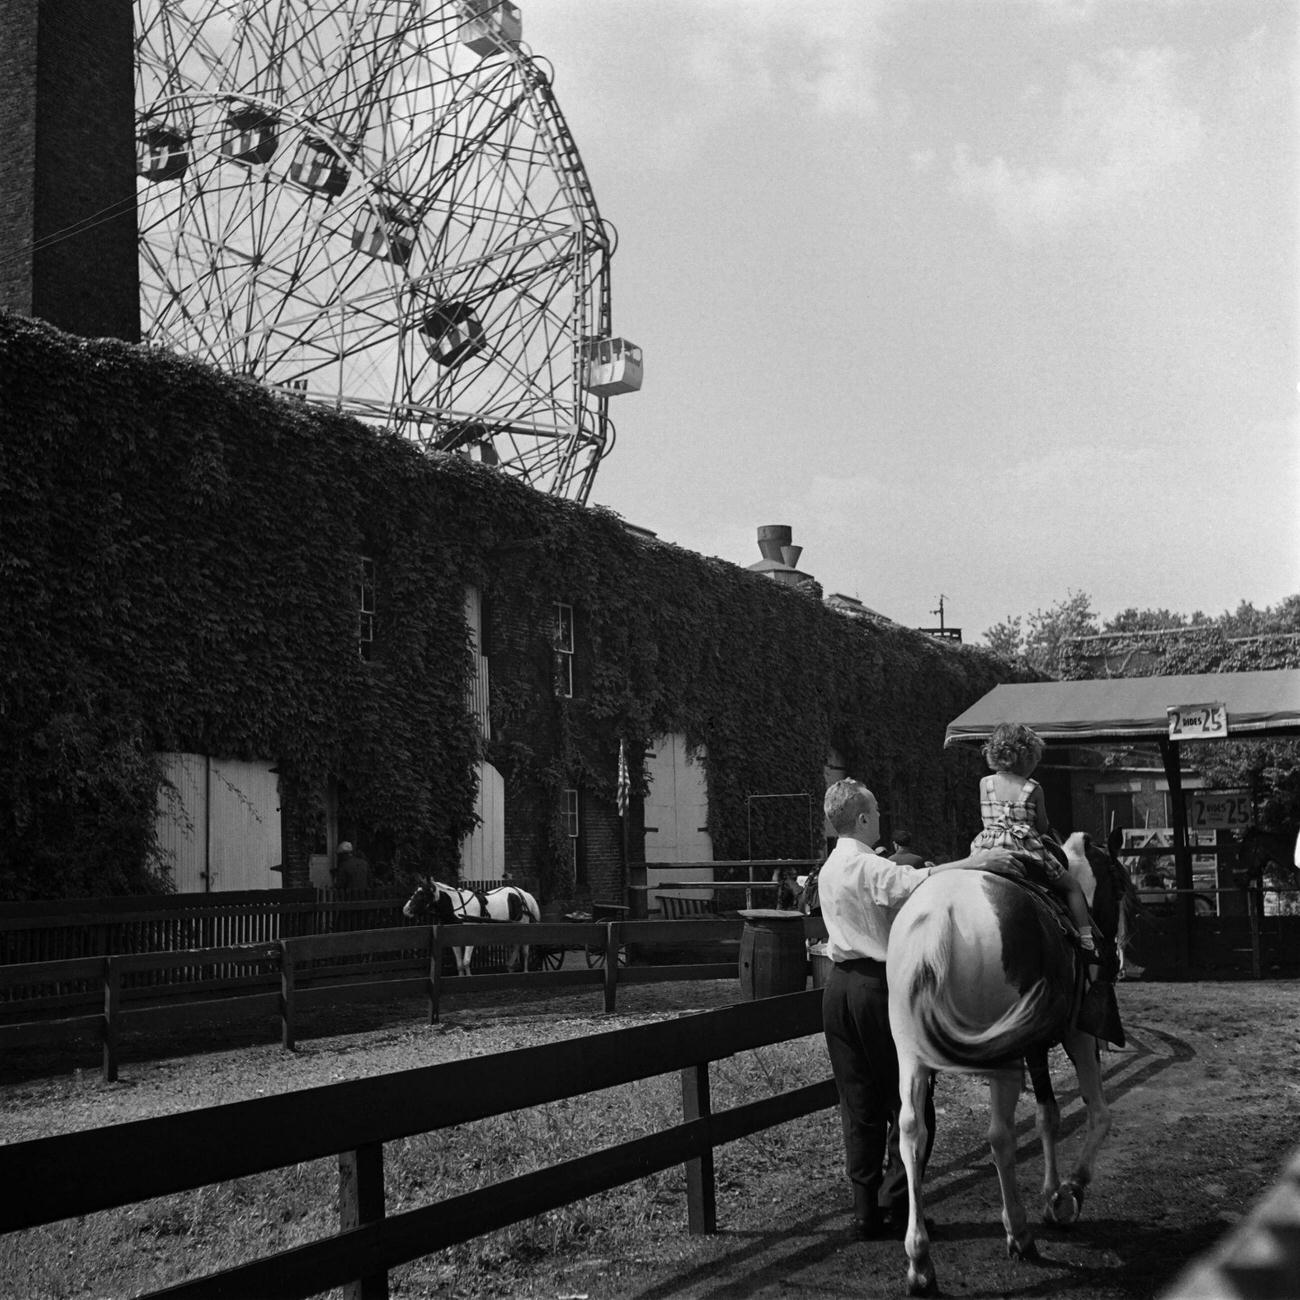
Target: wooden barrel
(773, 955)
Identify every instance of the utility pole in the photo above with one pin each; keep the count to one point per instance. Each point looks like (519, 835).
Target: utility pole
(945, 633)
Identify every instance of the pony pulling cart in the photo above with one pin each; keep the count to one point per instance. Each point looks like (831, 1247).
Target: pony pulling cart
(983, 979)
(436, 903)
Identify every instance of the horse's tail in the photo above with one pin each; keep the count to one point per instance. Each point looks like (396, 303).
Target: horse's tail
(949, 1036)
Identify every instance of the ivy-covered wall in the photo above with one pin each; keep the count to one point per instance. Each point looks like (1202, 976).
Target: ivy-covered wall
(1174, 651)
(178, 563)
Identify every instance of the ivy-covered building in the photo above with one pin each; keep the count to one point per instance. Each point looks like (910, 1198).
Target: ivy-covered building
(211, 590)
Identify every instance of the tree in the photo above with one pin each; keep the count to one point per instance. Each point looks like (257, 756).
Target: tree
(1004, 638)
(1149, 620)
(1046, 630)
(1246, 620)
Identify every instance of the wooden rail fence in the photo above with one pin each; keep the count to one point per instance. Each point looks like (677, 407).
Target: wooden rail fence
(279, 980)
(135, 1161)
(58, 929)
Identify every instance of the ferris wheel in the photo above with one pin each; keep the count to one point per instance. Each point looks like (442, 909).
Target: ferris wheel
(380, 208)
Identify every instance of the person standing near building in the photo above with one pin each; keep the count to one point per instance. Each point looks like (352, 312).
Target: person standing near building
(351, 869)
(860, 893)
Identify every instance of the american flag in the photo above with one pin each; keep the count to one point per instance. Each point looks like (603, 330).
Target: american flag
(624, 783)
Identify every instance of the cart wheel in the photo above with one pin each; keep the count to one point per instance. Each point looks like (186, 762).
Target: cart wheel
(596, 957)
(550, 958)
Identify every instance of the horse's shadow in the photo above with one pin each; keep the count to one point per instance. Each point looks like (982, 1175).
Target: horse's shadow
(1136, 1260)
(1149, 1255)
(1119, 1077)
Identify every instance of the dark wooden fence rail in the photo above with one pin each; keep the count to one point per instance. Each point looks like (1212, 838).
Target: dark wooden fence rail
(61, 929)
(94, 927)
(177, 1153)
(744, 882)
(1221, 947)
(279, 980)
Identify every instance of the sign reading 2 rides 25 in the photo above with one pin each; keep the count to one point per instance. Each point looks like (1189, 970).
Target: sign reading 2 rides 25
(1198, 721)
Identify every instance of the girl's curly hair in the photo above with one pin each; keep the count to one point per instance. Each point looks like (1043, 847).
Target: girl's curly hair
(1010, 744)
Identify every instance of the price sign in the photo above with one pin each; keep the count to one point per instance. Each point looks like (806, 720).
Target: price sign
(1198, 721)
(1227, 810)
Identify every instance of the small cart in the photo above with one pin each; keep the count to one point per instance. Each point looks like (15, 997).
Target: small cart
(551, 956)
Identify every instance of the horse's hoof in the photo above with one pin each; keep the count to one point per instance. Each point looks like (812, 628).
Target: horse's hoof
(922, 1283)
(1065, 1206)
(1026, 1248)
(1062, 1210)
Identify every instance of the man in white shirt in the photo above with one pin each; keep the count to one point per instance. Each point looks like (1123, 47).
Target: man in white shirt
(860, 894)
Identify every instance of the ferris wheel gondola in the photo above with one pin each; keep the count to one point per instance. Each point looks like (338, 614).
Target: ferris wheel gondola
(381, 209)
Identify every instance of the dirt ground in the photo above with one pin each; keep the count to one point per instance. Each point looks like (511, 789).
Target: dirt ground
(1206, 1110)
(1205, 1100)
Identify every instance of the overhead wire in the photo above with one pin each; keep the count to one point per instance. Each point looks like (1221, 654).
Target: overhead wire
(110, 212)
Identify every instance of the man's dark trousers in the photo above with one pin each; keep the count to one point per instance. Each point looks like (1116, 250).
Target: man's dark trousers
(855, 1016)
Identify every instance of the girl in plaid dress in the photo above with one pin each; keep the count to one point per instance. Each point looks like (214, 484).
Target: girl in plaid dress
(1015, 817)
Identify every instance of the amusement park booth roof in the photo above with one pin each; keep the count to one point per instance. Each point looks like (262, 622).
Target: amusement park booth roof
(1118, 709)
(1134, 708)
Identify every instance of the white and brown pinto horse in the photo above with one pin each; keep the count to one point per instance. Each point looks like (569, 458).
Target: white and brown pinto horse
(436, 903)
(982, 976)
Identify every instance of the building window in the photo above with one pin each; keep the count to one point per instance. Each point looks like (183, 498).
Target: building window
(366, 607)
(570, 816)
(564, 650)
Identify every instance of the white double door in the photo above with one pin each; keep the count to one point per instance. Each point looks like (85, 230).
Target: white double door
(676, 817)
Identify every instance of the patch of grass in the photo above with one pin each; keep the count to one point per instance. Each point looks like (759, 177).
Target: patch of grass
(160, 1242)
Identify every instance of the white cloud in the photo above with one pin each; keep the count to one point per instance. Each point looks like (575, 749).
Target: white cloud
(819, 57)
(1121, 128)
(661, 85)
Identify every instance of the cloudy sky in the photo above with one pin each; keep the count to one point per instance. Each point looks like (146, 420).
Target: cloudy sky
(993, 299)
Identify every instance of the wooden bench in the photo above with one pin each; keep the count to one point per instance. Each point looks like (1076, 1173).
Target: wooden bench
(681, 909)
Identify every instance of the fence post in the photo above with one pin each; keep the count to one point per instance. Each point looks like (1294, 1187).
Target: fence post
(112, 1001)
(1255, 908)
(435, 972)
(701, 1198)
(611, 964)
(361, 1201)
(287, 977)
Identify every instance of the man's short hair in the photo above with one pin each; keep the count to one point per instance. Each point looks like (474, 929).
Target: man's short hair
(902, 837)
(845, 801)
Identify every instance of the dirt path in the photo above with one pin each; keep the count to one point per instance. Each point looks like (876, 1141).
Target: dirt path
(1206, 1107)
